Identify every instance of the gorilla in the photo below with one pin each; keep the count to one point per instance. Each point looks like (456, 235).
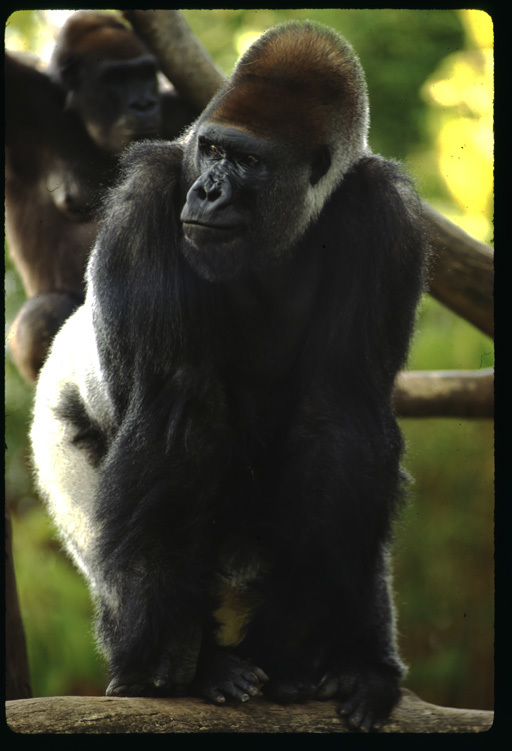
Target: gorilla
(65, 128)
(213, 430)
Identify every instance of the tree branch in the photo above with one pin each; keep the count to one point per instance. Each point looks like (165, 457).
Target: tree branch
(461, 271)
(181, 57)
(77, 714)
(445, 393)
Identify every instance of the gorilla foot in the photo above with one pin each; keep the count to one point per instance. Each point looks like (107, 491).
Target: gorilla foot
(224, 676)
(170, 675)
(367, 697)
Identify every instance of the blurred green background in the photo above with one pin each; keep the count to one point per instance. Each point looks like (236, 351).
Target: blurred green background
(430, 81)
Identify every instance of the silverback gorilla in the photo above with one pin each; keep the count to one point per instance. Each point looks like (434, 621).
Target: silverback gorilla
(213, 430)
(64, 130)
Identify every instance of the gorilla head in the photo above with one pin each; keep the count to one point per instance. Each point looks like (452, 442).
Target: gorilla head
(110, 79)
(270, 149)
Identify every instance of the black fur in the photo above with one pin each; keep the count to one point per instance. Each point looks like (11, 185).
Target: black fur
(300, 471)
(89, 436)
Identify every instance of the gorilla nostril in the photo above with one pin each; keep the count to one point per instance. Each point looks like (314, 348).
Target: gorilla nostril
(200, 192)
(213, 190)
(214, 193)
(207, 193)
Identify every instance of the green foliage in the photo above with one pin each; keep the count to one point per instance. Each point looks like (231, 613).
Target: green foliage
(442, 341)
(444, 547)
(444, 567)
(444, 553)
(57, 612)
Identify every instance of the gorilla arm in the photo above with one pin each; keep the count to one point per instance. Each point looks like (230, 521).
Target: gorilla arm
(71, 432)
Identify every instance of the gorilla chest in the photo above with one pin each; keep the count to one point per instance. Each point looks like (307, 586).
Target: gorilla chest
(270, 315)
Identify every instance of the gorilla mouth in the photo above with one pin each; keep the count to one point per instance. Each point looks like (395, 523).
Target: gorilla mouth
(202, 232)
(206, 225)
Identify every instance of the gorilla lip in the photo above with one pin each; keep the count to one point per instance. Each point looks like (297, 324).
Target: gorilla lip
(213, 227)
(202, 235)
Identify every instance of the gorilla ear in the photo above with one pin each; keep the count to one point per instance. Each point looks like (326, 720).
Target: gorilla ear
(320, 164)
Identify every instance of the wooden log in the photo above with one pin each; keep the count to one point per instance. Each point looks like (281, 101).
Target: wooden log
(445, 393)
(91, 715)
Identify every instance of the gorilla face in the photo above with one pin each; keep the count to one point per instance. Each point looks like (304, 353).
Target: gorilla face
(117, 100)
(246, 201)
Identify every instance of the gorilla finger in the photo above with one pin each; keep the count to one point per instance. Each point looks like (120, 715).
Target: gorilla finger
(239, 694)
(233, 690)
(327, 688)
(251, 687)
(214, 695)
(257, 675)
(353, 717)
(130, 689)
(349, 707)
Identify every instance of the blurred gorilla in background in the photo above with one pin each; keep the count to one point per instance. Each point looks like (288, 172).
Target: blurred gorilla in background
(64, 131)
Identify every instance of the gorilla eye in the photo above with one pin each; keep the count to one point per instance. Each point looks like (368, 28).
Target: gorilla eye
(249, 160)
(213, 149)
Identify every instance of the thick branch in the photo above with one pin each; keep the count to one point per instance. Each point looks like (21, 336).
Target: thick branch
(462, 272)
(445, 393)
(181, 56)
(76, 714)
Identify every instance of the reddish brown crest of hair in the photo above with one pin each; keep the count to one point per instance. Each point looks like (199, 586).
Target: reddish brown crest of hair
(300, 76)
(100, 34)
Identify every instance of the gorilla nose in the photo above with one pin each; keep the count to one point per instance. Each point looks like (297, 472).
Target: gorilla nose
(144, 106)
(214, 191)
